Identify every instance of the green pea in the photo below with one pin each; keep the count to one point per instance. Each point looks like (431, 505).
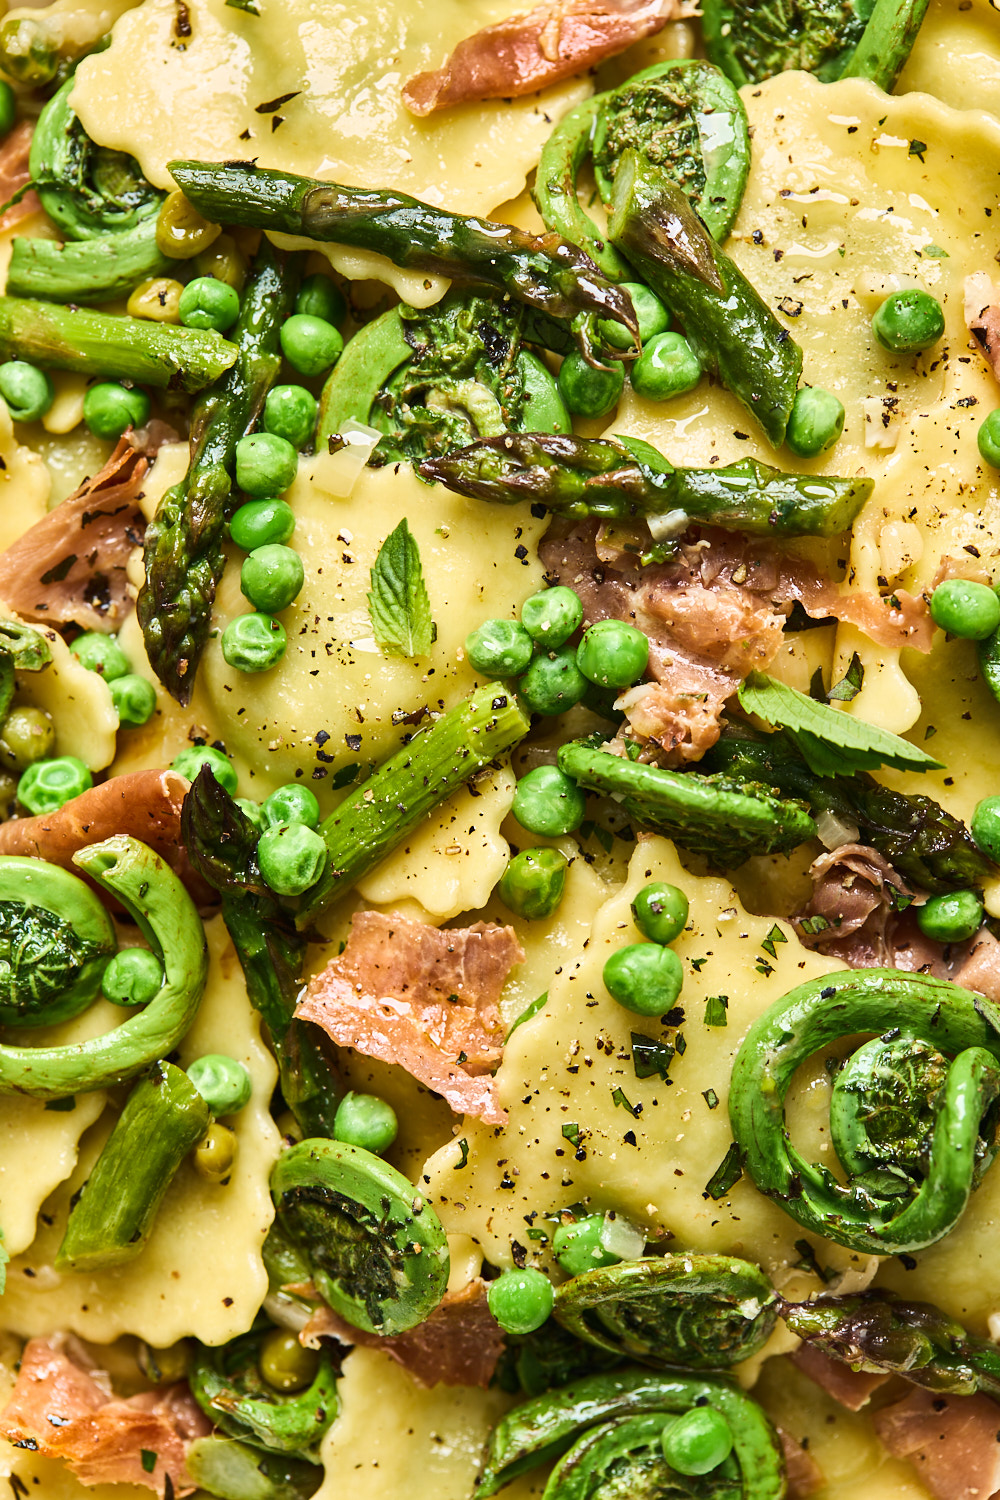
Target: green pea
(222, 1082)
(47, 784)
(578, 1245)
(588, 392)
(28, 735)
(28, 51)
(951, 917)
(133, 977)
(499, 648)
(697, 1442)
(8, 107)
(651, 315)
(253, 811)
(548, 802)
(667, 367)
(290, 413)
(367, 1121)
(271, 577)
(310, 344)
(291, 858)
(265, 464)
(553, 683)
(109, 409)
(262, 523)
(660, 911)
(319, 297)
(533, 883)
(102, 654)
(816, 421)
(908, 322)
(551, 616)
(645, 978)
(966, 609)
(292, 803)
(254, 643)
(285, 1364)
(190, 762)
(134, 699)
(989, 439)
(208, 303)
(613, 654)
(521, 1301)
(27, 390)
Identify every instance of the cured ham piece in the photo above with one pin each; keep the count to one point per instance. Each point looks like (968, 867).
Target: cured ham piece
(533, 49)
(953, 1442)
(145, 804)
(982, 315)
(15, 173)
(423, 997)
(71, 564)
(854, 893)
(802, 1473)
(851, 1388)
(459, 1344)
(62, 1406)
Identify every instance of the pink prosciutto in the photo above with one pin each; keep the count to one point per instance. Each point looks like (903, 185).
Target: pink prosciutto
(533, 49)
(982, 316)
(953, 1442)
(423, 997)
(15, 174)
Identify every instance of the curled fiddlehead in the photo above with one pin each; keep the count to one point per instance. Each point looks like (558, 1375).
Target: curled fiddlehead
(55, 942)
(376, 1250)
(913, 1116)
(701, 1312)
(607, 1432)
(228, 1385)
(102, 203)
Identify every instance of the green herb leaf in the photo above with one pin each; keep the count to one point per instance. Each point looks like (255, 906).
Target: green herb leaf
(651, 1058)
(726, 1175)
(463, 1146)
(248, 5)
(831, 742)
(398, 605)
(774, 936)
(711, 1098)
(148, 1460)
(715, 1010)
(619, 1098)
(917, 148)
(850, 684)
(571, 1133)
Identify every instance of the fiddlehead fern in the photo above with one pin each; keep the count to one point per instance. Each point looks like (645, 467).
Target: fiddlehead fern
(55, 942)
(701, 1312)
(376, 1250)
(228, 1385)
(913, 1116)
(608, 1430)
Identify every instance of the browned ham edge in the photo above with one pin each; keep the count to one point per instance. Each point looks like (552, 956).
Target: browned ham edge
(854, 891)
(62, 1406)
(851, 1388)
(802, 1473)
(423, 997)
(15, 174)
(982, 315)
(459, 1344)
(70, 566)
(536, 48)
(953, 1442)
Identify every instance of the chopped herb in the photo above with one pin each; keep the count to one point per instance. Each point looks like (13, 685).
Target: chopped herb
(398, 603)
(249, 6)
(810, 1263)
(649, 1057)
(850, 684)
(698, 964)
(715, 1010)
(344, 777)
(463, 1146)
(726, 1175)
(935, 252)
(571, 1132)
(816, 688)
(764, 968)
(930, 732)
(680, 1042)
(774, 936)
(618, 1098)
(711, 1098)
(917, 148)
(148, 1460)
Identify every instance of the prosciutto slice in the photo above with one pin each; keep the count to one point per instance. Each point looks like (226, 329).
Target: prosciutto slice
(982, 315)
(14, 174)
(533, 49)
(71, 564)
(851, 1388)
(854, 893)
(423, 997)
(62, 1406)
(459, 1344)
(802, 1472)
(953, 1442)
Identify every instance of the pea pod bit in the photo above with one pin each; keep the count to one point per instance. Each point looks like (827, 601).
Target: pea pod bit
(164, 1116)
(235, 1471)
(228, 1385)
(882, 1334)
(376, 1250)
(375, 818)
(157, 901)
(119, 348)
(56, 939)
(717, 816)
(735, 335)
(702, 1312)
(628, 480)
(547, 274)
(104, 207)
(910, 1166)
(595, 1425)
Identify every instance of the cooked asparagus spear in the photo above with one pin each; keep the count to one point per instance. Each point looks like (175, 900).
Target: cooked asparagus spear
(95, 343)
(887, 42)
(578, 477)
(184, 552)
(546, 273)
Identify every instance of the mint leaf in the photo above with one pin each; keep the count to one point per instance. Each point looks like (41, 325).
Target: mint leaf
(398, 606)
(831, 742)
(850, 684)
